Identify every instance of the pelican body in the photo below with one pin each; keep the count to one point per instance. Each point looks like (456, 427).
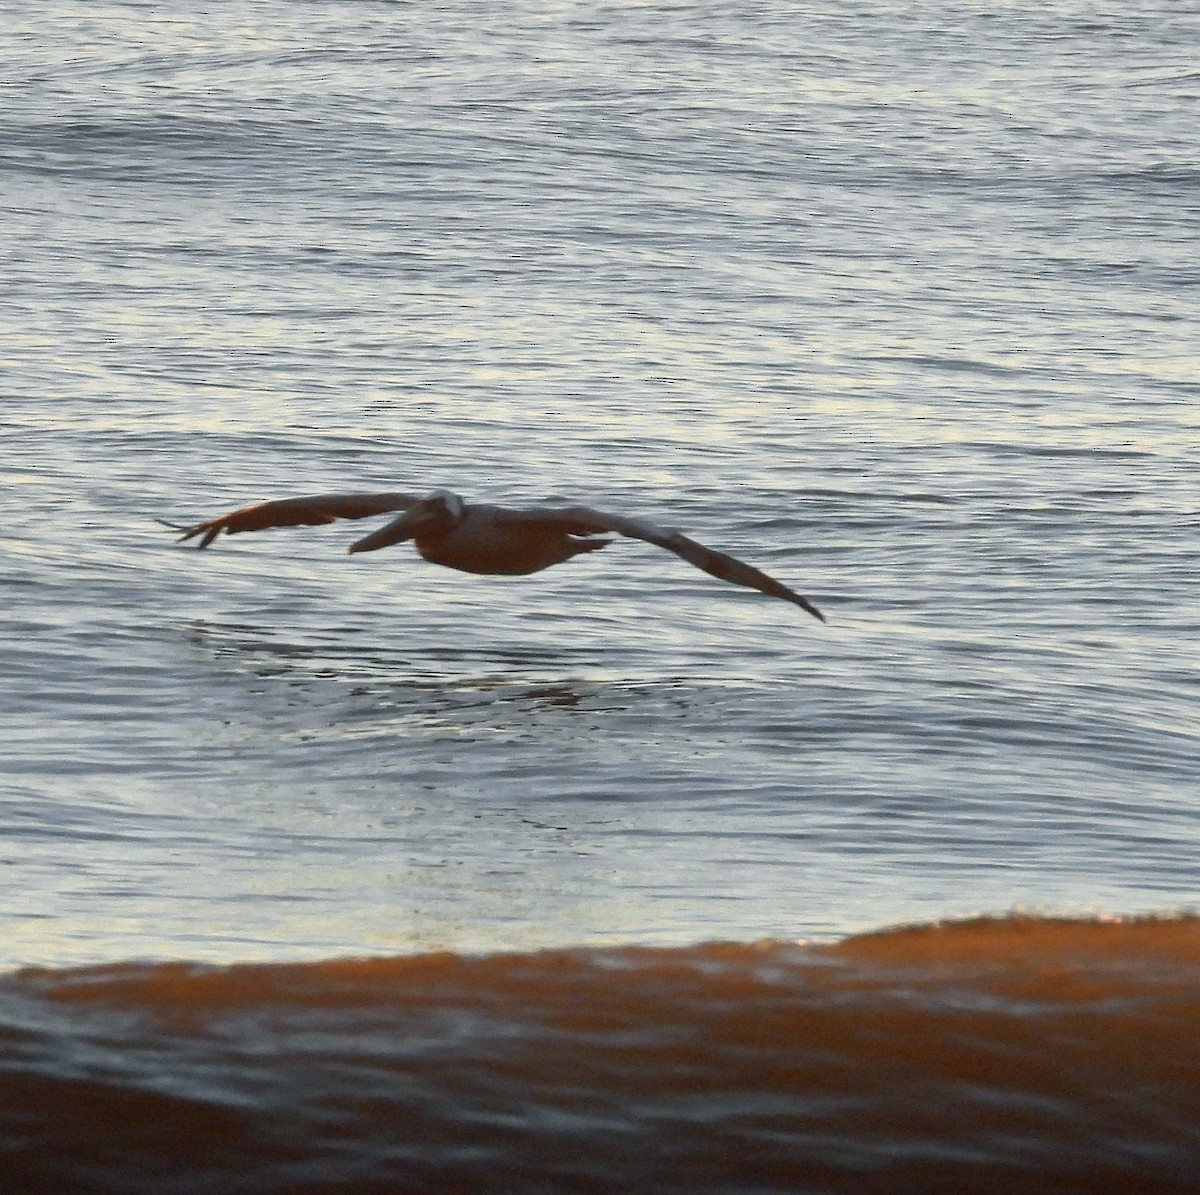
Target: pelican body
(486, 539)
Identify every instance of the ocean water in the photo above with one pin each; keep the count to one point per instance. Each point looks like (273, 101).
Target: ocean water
(898, 303)
(1038, 1056)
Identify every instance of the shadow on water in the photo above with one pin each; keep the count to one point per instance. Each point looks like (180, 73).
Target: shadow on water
(354, 688)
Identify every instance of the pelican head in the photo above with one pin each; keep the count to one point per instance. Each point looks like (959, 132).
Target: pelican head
(444, 502)
(437, 515)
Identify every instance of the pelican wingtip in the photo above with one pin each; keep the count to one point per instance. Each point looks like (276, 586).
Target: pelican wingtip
(805, 604)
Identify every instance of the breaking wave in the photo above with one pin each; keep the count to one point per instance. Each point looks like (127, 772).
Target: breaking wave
(991, 1055)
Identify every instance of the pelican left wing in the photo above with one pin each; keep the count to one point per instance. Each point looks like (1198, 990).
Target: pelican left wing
(582, 520)
(297, 512)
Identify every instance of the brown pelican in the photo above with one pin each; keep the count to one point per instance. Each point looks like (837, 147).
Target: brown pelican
(477, 538)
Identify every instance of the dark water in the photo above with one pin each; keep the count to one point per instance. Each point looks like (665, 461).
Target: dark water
(986, 1056)
(896, 303)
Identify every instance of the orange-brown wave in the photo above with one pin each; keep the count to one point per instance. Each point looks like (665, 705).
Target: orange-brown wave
(993, 1055)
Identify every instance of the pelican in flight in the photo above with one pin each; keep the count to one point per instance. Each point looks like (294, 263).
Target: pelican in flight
(478, 538)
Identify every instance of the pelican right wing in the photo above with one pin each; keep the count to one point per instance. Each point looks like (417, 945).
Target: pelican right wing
(582, 520)
(297, 512)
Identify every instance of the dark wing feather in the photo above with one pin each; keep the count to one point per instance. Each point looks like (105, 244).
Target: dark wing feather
(297, 512)
(582, 520)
